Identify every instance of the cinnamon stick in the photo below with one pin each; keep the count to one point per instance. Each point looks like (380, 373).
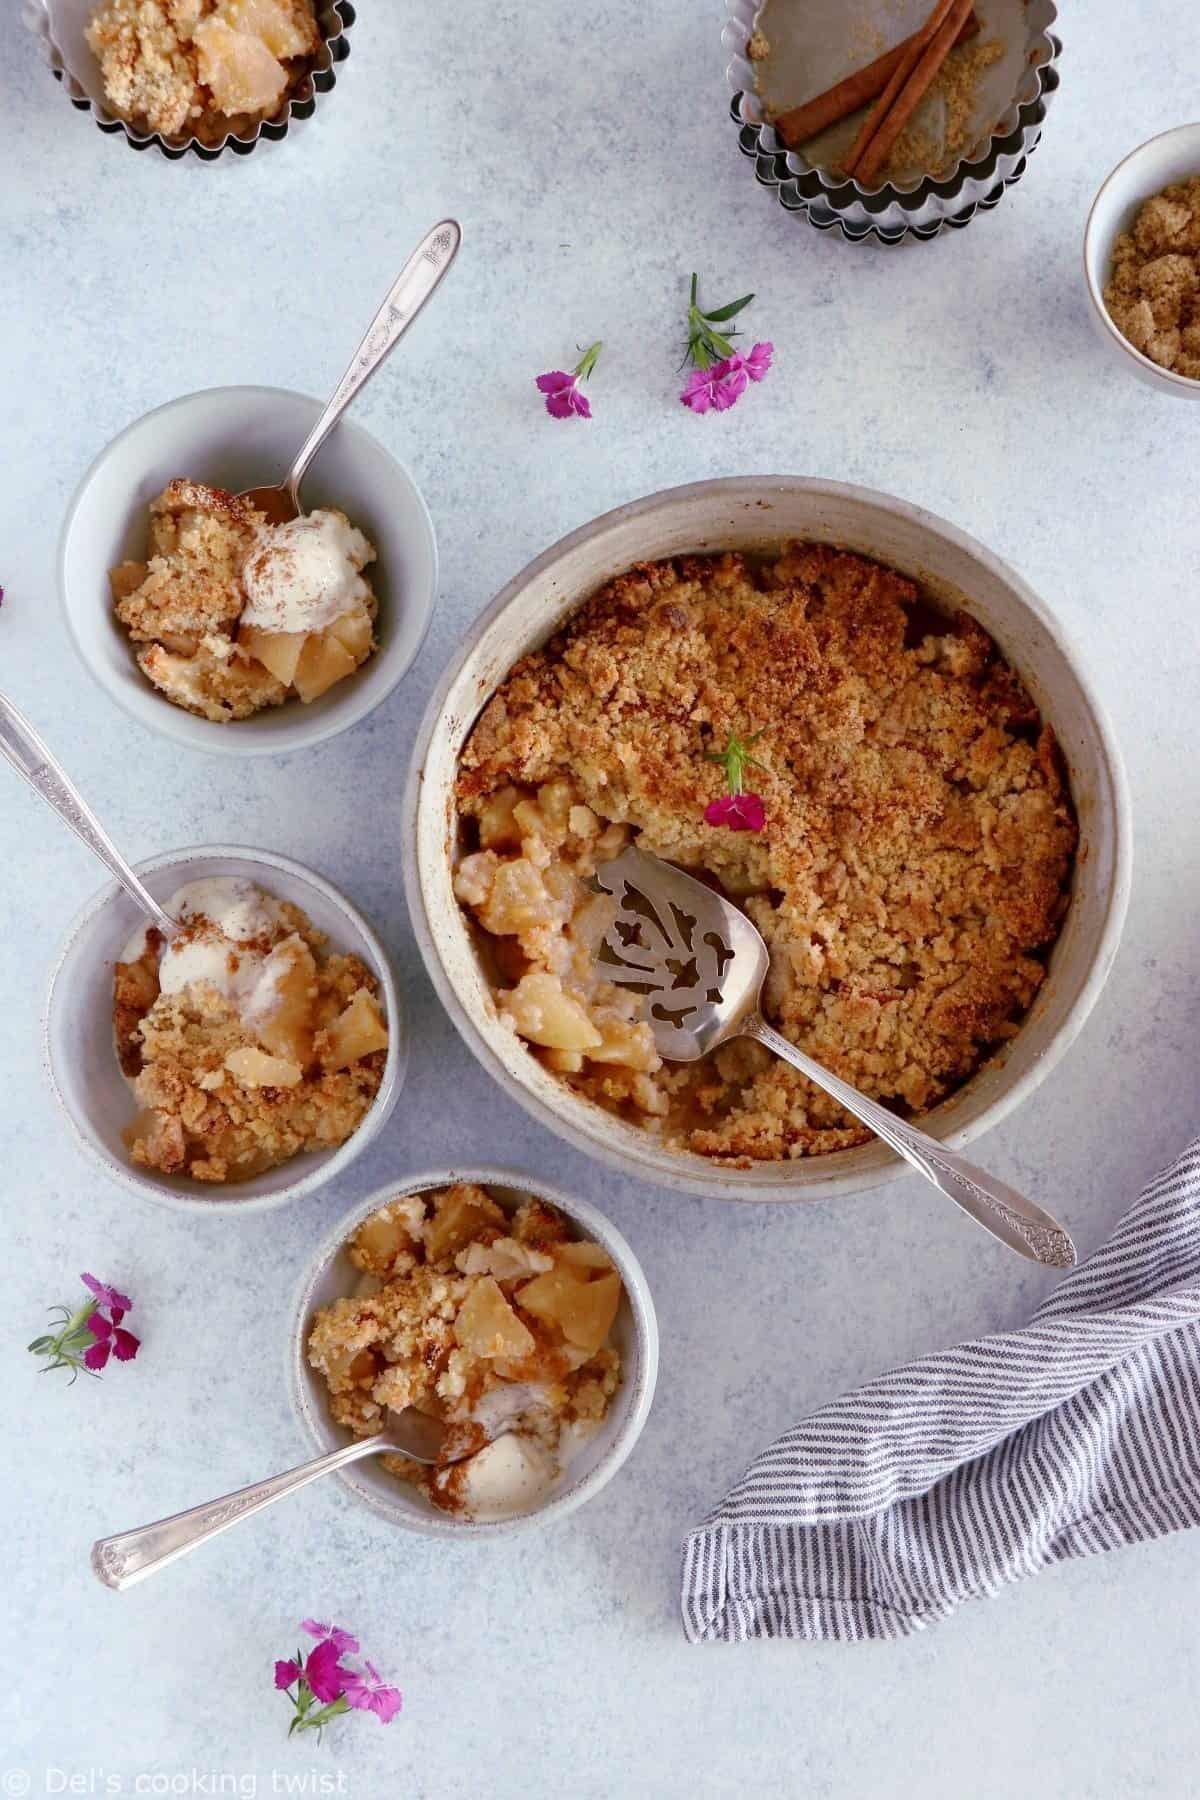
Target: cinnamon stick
(800, 123)
(913, 53)
(912, 94)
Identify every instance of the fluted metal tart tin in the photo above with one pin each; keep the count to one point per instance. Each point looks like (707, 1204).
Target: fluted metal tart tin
(59, 27)
(896, 210)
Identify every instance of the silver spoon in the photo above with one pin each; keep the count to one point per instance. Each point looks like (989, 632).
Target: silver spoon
(21, 746)
(415, 284)
(701, 964)
(130, 1556)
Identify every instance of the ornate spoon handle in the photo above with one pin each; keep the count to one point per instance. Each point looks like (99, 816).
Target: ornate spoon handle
(415, 284)
(130, 1556)
(21, 746)
(1000, 1209)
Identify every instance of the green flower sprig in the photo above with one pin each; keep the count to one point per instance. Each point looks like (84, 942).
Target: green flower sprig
(735, 759)
(87, 1337)
(735, 808)
(65, 1348)
(704, 345)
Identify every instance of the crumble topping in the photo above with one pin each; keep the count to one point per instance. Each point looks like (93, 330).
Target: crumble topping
(913, 869)
(243, 1048)
(497, 1325)
(202, 67)
(215, 625)
(1153, 294)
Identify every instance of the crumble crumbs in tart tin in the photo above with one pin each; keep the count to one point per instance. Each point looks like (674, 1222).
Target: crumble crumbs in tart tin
(916, 206)
(59, 27)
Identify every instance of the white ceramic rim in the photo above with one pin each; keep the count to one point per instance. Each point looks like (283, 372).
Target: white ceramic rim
(382, 1107)
(639, 1383)
(693, 1174)
(226, 740)
(1160, 377)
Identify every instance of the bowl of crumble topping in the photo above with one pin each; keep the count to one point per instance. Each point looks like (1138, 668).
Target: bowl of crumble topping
(512, 1312)
(227, 632)
(203, 76)
(937, 850)
(244, 1062)
(1141, 262)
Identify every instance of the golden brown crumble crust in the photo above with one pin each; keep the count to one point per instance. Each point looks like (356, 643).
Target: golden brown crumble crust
(919, 834)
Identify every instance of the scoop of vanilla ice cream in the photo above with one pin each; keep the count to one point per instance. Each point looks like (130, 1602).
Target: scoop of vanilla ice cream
(510, 1475)
(303, 575)
(237, 908)
(224, 914)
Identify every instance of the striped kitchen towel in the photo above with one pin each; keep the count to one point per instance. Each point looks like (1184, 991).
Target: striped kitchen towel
(976, 1466)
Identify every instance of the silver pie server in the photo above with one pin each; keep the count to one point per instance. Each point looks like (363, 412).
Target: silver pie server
(21, 746)
(700, 965)
(130, 1556)
(416, 283)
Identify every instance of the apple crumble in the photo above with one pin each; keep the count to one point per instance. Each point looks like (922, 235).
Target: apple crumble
(496, 1324)
(230, 614)
(245, 1040)
(911, 872)
(1153, 294)
(202, 68)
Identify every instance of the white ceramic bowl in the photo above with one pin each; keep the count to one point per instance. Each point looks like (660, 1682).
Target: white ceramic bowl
(81, 1058)
(236, 438)
(755, 513)
(1145, 172)
(634, 1333)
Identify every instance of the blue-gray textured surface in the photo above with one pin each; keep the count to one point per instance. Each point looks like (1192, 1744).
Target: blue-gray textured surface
(593, 167)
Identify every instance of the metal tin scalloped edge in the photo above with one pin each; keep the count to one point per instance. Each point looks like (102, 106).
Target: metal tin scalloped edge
(335, 17)
(893, 212)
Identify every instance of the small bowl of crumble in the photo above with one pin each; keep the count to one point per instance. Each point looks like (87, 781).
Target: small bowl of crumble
(861, 728)
(514, 1313)
(1141, 262)
(194, 75)
(228, 632)
(244, 1061)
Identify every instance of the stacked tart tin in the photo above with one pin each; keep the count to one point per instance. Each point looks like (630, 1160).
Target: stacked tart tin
(59, 26)
(918, 206)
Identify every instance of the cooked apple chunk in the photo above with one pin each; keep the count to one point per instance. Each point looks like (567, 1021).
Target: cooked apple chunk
(487, 1325)
(460, 1214)
(323, 661)
(498, 828)
(582, 1255)
(278, 651)
(582, 1310)
(357, 1032)
(255, 1069)
(127, 577)
(286, 1029)
(542, 1011)
(354, 632)
(387, 1234)
(239, 70)
(284, 27)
